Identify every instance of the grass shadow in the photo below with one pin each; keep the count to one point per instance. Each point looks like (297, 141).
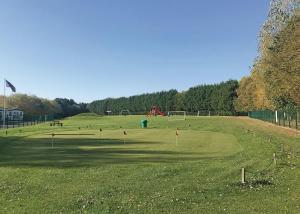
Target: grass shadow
(86, 152)
(256, 184)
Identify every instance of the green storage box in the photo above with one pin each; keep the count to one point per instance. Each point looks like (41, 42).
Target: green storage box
(144, 123)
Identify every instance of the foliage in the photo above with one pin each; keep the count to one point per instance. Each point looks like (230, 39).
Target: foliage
(274, 80)
(244, 102)
(166, 100)
(69, 107)
(36, 106)
(282, 65)
(217, 97)
(252, 93)
(31, 105)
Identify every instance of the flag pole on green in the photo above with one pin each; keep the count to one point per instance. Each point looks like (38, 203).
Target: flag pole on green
(124, 135)
(177, 134)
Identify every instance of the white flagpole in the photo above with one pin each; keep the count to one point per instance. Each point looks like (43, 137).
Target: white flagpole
(4, 113)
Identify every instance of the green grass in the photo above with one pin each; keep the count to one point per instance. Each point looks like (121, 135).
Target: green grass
(89, 171)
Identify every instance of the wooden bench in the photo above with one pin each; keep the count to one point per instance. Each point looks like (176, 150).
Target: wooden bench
(56, 123)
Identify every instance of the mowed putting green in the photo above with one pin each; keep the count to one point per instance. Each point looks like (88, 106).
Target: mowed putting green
(139, 145)
(93, 167)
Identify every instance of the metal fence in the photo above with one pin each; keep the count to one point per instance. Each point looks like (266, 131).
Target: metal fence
(28, 121)
(188, 113)
(289, 119)
(17, 124)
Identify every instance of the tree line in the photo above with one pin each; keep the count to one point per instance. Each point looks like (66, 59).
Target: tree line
(215, 97)
(274, 82)
(34, 106)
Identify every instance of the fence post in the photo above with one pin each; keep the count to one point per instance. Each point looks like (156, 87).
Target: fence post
(297, 119)
(274, 158)
(243, 179)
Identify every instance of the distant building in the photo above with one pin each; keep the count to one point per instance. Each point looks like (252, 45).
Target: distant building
(14, 114)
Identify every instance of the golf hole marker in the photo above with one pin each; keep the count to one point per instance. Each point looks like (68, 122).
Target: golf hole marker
(52, 142)
(100, 130)
(124, 136)
(177, 134)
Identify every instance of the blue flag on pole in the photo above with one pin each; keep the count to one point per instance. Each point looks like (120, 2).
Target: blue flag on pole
(11, 86)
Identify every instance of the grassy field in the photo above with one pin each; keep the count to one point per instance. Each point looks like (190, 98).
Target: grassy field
(88, 171)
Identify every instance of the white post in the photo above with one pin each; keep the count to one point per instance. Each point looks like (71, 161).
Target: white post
(276, 116)
(4, 113)
(274, 158)
(243, 180)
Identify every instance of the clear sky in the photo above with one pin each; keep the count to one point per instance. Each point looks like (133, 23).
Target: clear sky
(93, 49)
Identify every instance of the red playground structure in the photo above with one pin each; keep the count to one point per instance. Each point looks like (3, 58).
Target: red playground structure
(155, 111)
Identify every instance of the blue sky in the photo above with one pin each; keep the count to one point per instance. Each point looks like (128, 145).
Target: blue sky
(93, 49)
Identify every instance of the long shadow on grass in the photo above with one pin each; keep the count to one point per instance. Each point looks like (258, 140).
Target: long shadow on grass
(72, 152)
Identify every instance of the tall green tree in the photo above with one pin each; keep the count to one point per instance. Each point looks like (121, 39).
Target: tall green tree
(217, 97)
(282, 65)
(274, 79)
